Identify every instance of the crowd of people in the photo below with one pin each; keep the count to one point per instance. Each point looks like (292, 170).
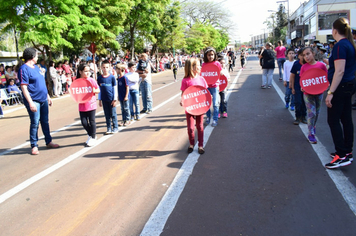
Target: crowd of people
(338, 60)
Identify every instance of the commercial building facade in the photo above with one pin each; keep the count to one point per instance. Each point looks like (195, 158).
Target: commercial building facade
(314, 19)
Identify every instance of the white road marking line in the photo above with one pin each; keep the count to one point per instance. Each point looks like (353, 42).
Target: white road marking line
(158, 219)
(35, 178)
(345, 187)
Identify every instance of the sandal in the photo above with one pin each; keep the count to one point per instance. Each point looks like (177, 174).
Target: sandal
(201, 150)
(190, 149)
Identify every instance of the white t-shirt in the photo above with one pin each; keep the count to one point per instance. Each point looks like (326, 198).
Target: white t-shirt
(287, 67)
(132, 79)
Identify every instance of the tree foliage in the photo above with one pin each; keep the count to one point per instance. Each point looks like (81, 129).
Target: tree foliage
(278, 24)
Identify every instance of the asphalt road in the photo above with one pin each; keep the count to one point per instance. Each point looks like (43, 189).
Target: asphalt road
(259, 175)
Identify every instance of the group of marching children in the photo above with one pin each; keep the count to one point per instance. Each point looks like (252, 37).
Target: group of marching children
(192, 77)
(124, 88)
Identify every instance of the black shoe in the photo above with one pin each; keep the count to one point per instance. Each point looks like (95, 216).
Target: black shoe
(304, 121)
(201, 150)
(297, 121)
(349, 155)
(143, 111)
(338, 162)
(190, 149)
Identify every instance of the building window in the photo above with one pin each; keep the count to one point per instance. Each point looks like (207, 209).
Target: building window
(326, 20)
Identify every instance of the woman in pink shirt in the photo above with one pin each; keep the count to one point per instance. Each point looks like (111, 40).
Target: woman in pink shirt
(281, 57)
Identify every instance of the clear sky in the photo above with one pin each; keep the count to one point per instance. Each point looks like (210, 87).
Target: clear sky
(249, 15)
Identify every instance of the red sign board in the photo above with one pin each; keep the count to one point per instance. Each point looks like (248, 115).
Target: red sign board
(92, 48)
(222, 83)
(81, 90)
(210, 72)
(196, 100)
(314, 81)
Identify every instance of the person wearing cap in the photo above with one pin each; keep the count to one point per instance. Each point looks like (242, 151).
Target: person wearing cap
(331, 46)
(36, 99)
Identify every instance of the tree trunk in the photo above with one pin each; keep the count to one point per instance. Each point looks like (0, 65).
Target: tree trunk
(132, 43)
(17, 45)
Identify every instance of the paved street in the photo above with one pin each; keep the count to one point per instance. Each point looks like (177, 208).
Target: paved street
(258, 176)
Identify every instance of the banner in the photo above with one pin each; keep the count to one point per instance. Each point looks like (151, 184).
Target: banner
(314, 81)
(196, 100)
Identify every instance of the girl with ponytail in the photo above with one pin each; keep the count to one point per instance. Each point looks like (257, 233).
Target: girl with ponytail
(341, 76)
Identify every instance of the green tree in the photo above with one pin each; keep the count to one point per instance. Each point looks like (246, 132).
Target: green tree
(171, 34)
(277, 22)
(144, 16)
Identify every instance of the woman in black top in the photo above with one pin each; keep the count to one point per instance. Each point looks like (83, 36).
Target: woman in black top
(268, 65)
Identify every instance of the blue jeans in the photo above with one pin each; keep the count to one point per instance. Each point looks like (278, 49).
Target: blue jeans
(40, 116)
(146, 93)
(267, 76)
(134, 100)
(289, 97)
(280, 62)
(110, 115)
(215, 93)
(125, 110)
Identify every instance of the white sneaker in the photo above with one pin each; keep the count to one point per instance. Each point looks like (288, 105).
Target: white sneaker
(88, 140)
(91, 142)
(1, 116)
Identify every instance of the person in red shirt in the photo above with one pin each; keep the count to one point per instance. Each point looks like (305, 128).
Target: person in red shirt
(281, 57)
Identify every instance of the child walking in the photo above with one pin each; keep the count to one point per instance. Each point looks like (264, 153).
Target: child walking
(300, 109)
(210, 56)
(223, 101)
(192, 77)
(175, 69)
(124, 89)
(287, 66)
(133, 79)
(312, 102)
(87, 110)
(108, 97)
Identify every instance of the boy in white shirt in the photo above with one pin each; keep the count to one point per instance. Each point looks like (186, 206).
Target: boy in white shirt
(289, 97)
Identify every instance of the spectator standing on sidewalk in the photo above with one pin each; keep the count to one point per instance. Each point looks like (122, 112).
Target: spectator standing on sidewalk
(341, 76)
(36, 99)
(281, 57)
(145, 85)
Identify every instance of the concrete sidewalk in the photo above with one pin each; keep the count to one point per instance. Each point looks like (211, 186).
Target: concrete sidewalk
(259, 175)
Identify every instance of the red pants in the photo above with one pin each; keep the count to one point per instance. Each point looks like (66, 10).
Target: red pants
(199, 120)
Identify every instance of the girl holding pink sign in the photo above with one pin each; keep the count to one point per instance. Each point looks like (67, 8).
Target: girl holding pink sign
(312, 101)
(192, 77)
(211, 58)
(87, 109)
